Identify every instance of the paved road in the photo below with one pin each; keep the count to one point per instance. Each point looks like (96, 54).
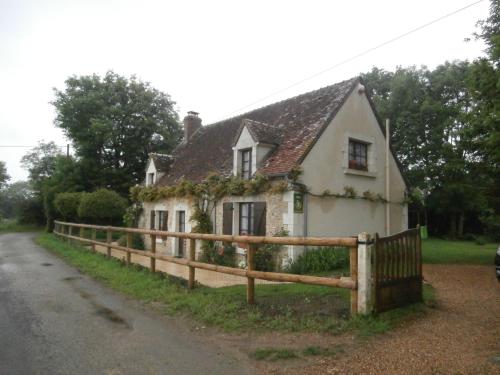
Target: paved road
(54, 320)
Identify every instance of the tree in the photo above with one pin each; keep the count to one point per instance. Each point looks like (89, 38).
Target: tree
(67, 176)
(114, 123)
(40, 162)
(4, 177)
(12, 197)
(484, 134)
(430, 115)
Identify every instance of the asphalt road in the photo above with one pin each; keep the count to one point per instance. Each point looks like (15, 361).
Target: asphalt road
(54, 320)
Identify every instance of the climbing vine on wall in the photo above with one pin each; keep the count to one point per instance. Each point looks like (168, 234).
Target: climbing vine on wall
(212, 189)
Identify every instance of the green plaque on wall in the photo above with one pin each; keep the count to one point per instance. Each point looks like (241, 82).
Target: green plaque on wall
(298, 203)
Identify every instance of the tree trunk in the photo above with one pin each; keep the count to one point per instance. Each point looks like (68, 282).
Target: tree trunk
(453, 226)
(460, 227)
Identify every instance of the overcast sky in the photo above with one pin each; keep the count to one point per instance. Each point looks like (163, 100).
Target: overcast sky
(214, 57)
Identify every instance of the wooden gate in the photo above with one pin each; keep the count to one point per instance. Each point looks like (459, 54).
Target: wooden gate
(397, 270)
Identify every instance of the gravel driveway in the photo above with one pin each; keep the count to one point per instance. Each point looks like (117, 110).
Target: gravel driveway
(460, 336)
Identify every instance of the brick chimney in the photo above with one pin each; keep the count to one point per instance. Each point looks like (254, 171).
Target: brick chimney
(191, 124)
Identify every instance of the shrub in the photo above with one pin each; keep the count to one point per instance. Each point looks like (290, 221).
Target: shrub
(214, 253)
(137, 241)
(67, 205)
(102, 207)
(265, 257)
(468, 237)
(320, 260)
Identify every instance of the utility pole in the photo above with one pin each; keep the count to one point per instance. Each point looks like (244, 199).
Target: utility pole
(387, 179)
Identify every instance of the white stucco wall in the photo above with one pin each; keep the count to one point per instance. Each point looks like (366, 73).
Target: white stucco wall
(326, 168)
(173, 206)
(151, 169)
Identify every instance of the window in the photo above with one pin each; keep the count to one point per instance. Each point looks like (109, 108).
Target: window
(358, 155)
(246, 218)
(151, 179)
(253, 218)
(246, 164)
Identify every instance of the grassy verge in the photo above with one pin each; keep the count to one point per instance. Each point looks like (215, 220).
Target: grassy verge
(11, 226)
(438, 251)
(280, 307)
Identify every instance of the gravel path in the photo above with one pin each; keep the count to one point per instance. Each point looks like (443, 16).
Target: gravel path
(460, 336)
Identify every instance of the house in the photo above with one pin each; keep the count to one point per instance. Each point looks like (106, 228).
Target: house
(322, 155)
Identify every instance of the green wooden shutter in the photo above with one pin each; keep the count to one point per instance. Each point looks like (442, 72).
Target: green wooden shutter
(259, 211)
(152, 220)
(227, 218)
(164, 224)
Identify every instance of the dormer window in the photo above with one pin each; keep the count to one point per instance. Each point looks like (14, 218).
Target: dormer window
(246, 164)
(358, 155)
(151, 179)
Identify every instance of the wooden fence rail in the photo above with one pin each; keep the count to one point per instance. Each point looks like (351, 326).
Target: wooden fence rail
(65, 230)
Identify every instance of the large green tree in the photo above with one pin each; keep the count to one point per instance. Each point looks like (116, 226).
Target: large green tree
(114, 123)
(4, 177)
(40, 162)
(430, 113)
(484, 134)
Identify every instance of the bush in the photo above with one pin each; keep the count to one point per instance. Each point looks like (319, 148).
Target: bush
(320, 260)
(214, 253)
(468, 237)
(102, 207)
(67, 205)
(137, 241)
(265, 257)
(30, 211)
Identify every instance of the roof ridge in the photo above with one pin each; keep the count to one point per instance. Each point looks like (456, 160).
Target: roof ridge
(281, 101)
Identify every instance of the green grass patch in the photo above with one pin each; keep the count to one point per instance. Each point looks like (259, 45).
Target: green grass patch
(12, 226)
(439, 251)
(279, 307)
(273, 354)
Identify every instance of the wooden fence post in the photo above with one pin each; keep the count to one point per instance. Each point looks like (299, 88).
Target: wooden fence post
(93, 239)
(129, 246)
(353, 268)
(69, 234)
(82, 235)
(108, 240)
(365, 280)
(152, 264)
(191, 258)
(252, 248)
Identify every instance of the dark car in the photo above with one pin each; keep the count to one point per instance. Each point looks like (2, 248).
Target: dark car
(497, 263)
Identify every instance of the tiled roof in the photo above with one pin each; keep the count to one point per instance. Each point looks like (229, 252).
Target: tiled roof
(293, 124)
(261, 132)
(162, 162)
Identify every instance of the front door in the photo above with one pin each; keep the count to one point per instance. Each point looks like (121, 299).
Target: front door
(182, 228)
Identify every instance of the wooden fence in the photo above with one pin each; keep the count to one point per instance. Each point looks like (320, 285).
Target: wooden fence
(66, 230)
(385, 272)
(397, 270)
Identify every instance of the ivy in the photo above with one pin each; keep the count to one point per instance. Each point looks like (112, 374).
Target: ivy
(212, 189)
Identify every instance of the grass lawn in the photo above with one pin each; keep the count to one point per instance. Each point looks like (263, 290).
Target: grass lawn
(280, 307)
(439, 251)
(9, 225)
